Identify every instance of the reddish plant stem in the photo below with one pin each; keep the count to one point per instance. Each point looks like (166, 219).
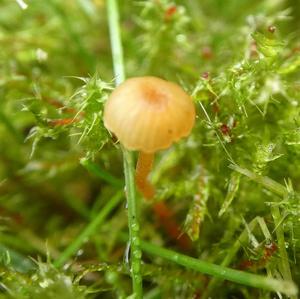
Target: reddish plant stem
(168, 221)
(163, 212)
(143, 168)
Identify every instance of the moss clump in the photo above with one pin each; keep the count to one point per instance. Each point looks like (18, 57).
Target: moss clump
(232, 186)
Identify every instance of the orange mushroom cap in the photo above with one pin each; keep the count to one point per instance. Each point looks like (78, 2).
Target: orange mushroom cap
(149, 114)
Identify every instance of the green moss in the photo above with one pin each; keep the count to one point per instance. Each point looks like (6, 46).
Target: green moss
(232, 185)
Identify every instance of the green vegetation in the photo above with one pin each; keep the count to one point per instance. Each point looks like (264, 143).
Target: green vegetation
(225, 220)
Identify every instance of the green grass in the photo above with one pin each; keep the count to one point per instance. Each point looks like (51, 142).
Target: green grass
(231, 189)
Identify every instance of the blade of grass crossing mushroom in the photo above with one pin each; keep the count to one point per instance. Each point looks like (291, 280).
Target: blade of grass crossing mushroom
(133, 223)
(115, 41)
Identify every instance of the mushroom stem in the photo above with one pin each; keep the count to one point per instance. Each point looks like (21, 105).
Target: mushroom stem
(143, 168)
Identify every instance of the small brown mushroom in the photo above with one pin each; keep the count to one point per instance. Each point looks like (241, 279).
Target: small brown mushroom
(148, 114)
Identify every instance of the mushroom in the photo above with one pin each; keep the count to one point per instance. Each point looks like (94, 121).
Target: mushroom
(148, 114)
